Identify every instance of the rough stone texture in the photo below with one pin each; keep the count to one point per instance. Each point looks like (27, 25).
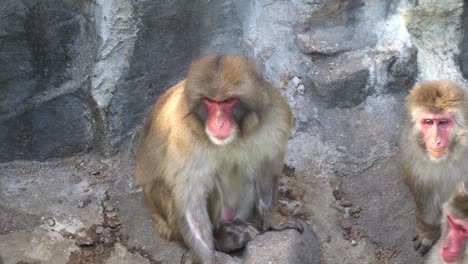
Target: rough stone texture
(115, 57)
(87, 209)
(463, 58)
(121, 255)
(38, 246)
(341, 77)
(80, 76)
(284, 247)
(427, 21)
(138, 222)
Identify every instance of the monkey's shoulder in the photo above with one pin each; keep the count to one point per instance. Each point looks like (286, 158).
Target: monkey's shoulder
(279, 105)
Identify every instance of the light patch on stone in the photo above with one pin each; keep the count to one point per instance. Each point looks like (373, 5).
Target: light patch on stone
(121, 255)
(70, 224)
(436, 30)
(118, 29)
(394, 35)
(37, 246)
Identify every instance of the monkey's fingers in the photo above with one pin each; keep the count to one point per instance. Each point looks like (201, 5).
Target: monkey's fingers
(417, 243)
(251, 232)
(422, 246)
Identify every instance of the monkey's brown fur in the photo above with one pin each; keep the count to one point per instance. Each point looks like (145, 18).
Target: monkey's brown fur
(460, 205)
(432, 181)
(436, 97)
(187, 180)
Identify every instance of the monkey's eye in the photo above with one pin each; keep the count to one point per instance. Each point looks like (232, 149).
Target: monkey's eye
(462, 229)
(443, 122)
(428, 122)
(206, 99)
(229, 100)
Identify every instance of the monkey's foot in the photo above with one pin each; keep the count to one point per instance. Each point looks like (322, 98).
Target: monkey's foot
(422, 245)
(288, 224)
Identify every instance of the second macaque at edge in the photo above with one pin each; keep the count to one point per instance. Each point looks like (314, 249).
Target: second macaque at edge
(434, 152)
(452, 245)
(210, 157)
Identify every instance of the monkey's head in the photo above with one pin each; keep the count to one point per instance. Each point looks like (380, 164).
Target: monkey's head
(226, 95)
(438, 117)
(455, 226)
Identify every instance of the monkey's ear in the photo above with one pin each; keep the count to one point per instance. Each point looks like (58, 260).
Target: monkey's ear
(461, 188)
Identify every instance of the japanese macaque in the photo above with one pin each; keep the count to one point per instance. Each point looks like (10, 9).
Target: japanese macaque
(451, 247)
(210, 155)
(434, 152)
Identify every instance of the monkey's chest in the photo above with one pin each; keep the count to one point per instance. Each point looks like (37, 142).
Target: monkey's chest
(234, 196)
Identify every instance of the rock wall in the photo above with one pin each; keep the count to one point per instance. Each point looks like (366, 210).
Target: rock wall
(79, 76)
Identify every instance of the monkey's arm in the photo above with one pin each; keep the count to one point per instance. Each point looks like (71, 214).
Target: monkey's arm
(195, 224)
(267, 191)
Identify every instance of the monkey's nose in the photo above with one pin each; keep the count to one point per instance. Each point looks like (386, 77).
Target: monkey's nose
(220, 124)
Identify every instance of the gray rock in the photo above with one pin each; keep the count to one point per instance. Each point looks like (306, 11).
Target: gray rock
(341, 81)
(332, 41)
(437, 56)
(53, 129)
(80, 76)
(12, 220)
(287, 246)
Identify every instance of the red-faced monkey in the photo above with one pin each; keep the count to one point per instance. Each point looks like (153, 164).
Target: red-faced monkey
(451, 247)
(434, 152)
(210, 155)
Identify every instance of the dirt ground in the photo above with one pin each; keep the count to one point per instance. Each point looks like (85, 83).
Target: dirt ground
(89, 210)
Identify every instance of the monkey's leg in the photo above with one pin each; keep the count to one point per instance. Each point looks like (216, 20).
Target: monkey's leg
(195, 225)
(267, 191)
(166, 225)
(427, 235)
(234, 235)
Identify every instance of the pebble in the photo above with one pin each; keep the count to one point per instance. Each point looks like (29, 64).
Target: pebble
(111, 215)
(353, 243)
(347, 210)
(99, 249)
(113, 223)
(95, 173)
(87, 253)
(99, 229)
(84, 241)
(346, 203)
(51, 222)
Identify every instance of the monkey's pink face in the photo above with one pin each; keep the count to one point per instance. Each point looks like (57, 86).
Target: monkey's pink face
(437, 133)
(220, 126)
(453, 246)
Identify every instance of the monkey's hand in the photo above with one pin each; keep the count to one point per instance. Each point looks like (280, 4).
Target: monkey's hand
(422, 245)
(234, 235)
(426, 236)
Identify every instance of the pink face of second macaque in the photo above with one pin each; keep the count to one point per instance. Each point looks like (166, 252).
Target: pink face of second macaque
(453, 245)
(437, 133)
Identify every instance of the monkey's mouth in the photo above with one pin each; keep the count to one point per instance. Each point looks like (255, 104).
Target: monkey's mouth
(450, 257)
(437, 153)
